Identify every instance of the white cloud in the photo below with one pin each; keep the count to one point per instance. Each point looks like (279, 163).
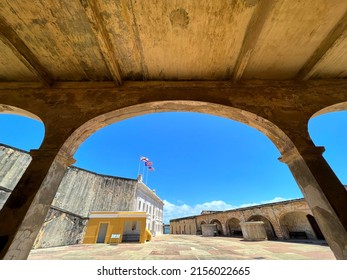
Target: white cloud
(173, 211)
(274, 200)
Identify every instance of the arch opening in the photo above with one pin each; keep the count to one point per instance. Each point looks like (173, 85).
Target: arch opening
(20, 132)
(327, 128)
(234, 227)
(219, 226)
(17, 125)
(270, 231)
(276, 135)
(295, 225)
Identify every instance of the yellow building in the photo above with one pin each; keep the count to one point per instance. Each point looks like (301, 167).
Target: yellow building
(117, 227)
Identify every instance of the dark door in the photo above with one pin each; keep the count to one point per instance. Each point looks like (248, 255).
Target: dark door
(102, 233)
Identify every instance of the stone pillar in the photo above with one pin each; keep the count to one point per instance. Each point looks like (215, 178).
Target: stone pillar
(323, 192)
(25, 210)
(274, 219)
(277, 229)
(224, 229)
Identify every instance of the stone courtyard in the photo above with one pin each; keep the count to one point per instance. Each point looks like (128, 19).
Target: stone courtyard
(189, 247)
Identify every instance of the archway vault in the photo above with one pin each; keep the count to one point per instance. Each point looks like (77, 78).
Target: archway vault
(274, 133)
(8, 109)
(342, 106)
(17, 113)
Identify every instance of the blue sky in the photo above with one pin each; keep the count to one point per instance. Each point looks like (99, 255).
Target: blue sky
(201, 162)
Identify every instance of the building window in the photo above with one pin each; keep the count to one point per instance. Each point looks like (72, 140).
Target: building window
(139, 205)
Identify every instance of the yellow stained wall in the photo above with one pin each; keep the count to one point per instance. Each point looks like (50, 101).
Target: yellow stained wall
(115, 226)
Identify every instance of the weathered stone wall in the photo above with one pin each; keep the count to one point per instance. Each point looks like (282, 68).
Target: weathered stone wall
(79, 193)
(12, 166)
(183, 226)
(71, 229)
(82, 192)
(279, 218)
(296, 222)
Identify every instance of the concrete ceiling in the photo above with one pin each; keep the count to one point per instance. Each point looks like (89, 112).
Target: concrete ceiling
(117, 40)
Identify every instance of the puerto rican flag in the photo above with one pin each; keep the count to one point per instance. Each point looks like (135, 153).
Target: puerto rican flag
(144, 159)
(148, 163)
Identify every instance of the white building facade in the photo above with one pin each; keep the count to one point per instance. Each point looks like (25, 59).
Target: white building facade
(148, 201)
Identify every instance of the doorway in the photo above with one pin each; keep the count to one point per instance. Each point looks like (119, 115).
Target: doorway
(102, 233)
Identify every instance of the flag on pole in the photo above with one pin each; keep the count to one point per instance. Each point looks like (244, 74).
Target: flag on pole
(151, 168)
(144, 159)
(148, 163)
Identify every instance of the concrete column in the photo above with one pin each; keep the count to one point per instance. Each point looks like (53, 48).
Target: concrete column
(274, 219)
(323, 192)
(277, 229)
(25, 210)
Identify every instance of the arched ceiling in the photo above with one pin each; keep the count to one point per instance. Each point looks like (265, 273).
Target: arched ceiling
(51, 41)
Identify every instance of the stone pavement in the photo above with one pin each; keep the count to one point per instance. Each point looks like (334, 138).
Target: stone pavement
(189, 247)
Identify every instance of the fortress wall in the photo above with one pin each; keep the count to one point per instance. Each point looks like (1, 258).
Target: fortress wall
(71, 229)
(286, 216)
(184, 226)
(79, 193)
(12, 166)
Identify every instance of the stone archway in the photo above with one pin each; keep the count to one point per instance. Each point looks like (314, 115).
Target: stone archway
(296, 159)
(234, 227)
(296, 226)
(342, 106)
(12, 110)
(219, 227)
(327, 127)
(276, 135)
(270, 232)
(10, 178)
(7, 109)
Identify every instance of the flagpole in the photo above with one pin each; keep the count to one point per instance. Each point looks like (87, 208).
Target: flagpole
(147, 176)
(138, 170)
(142, 159)
(143, 171)
(149, 169)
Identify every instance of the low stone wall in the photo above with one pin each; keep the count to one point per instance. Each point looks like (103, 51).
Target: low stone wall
(12, 166)
(60, 229)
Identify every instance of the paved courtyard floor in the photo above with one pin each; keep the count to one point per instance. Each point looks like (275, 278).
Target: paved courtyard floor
(189, 247)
